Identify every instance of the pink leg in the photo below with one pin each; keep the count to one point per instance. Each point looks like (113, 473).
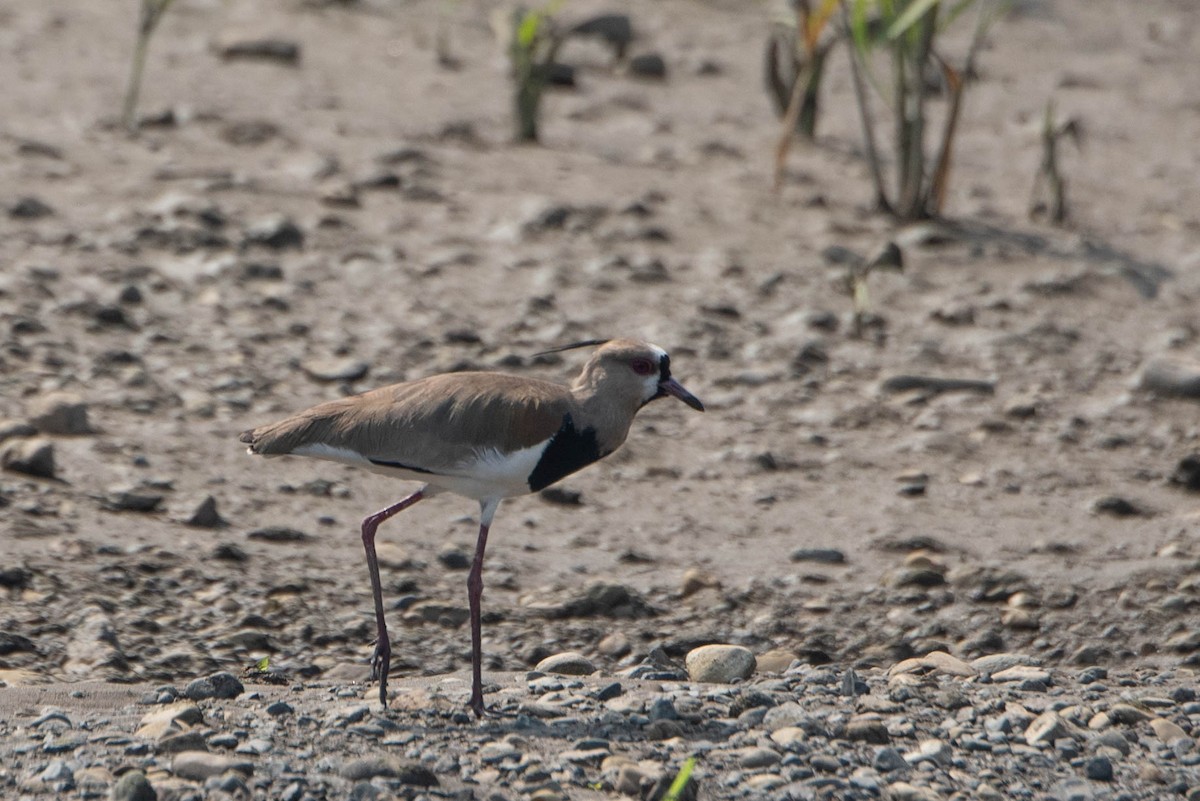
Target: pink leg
(475, 602)
(382, 660)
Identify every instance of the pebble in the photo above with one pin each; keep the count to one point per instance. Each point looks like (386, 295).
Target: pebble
(752, 758)
(569, 663)
(133, 786)
(29, 208)
(1099, 769)
(276, 232)
(280, 51)
(132, 499)
(1021, 673)
(62, 413)
(650, 66)
(32, 456)
(1046, 728)
(218, 685)
(1172, 377)
(720, 664)
(824, 556)
(1166, 730)
(332, 370)
(200, 765)
(888, 759)
(205, 515)
(868, 730)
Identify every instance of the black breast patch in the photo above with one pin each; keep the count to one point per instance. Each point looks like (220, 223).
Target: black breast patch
(569, 450)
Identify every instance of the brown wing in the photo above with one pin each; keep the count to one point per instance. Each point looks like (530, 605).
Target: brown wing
(433, 424)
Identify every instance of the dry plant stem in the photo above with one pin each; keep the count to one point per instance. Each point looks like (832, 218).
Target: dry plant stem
(801, 113)
(1048, 172)
(958, 87)
(789, 124)
(909, 63)
(868, 123)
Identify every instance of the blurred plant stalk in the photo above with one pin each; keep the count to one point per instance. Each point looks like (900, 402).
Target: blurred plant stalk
(533, 45)
(909, 31)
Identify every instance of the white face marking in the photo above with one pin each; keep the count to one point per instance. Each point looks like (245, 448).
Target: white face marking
(650, 383)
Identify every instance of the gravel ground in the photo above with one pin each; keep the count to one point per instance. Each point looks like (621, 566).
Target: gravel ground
(997, 478)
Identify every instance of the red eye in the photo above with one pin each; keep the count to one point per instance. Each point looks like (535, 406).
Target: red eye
(642, 366)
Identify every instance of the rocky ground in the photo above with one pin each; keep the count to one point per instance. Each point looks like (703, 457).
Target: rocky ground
(961, 547)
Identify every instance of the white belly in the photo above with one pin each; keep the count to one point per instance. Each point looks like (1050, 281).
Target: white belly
(488, 474)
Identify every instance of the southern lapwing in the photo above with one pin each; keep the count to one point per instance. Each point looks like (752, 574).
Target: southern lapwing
(486, 436)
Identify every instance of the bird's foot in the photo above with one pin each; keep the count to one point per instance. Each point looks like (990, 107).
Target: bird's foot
(380, 665)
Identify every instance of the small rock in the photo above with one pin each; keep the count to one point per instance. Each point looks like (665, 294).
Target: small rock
(218, 685)
(569, 663)
(133, 786)
(1046, 728)
(720, 664)
(994, 663)
(825, 763)
(205, 515)
(32, 456)
(132, 499)
(776, 660)
(825, 556)
(29, 208)
(695, 580)
(786, 714)
(280, 51)
(1117, 507)
(280, 708)
(788, 736)
(615, 30)
(630, 779)
(650, 66)
(1099, 769)
(888, 759)
(365, 768)
(10, 429)
(752, 758)
(607, 600)
(200, 765)
(614, 645)
(561, 496)
(1167, 731)
(275, 232)
(1172, 378)
(57, 772)
(868, 730)
(497, 752)
(454, 558)
(903, 791)
(278, 534)
(347, 370)
(1128, 714)
(63, 413)
(1021, 673)
(930, 750)
(1187, 473)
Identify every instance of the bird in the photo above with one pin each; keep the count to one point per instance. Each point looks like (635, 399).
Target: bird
(486, 436)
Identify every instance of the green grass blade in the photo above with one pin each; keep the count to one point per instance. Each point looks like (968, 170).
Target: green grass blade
(681, 779)
(913, 12)
(528, 29)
